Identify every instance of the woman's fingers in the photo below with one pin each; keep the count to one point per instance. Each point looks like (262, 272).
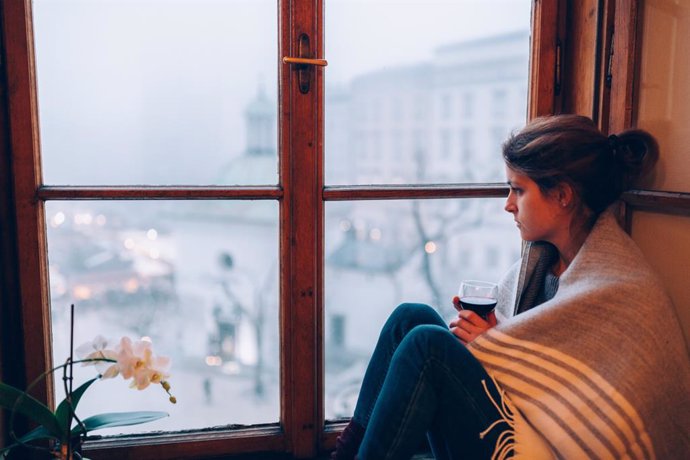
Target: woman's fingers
(491, 319)
(469, 325)
(456, 303)
(474, 319)
(468, 320)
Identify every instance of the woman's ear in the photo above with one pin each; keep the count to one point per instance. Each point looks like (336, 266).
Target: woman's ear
(564, 195)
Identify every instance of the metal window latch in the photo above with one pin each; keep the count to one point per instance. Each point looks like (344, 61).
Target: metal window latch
(303, 63)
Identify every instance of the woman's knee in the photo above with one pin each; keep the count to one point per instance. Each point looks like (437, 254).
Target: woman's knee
(425, 341)
(430, 334)
(417, 313)
(409, 315)
(432, 340)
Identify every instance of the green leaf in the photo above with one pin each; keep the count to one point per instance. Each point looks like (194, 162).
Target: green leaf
(62, 411)
(33, 435)
(117, 419)
(37, 433)
(29, 407)
(5, 451)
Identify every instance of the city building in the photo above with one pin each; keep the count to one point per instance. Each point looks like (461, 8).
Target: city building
(441, 121)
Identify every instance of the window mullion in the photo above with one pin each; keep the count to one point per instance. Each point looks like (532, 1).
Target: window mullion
(301, 128)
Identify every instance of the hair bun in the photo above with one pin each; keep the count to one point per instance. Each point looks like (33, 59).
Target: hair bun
(636, 151)
(613, 143)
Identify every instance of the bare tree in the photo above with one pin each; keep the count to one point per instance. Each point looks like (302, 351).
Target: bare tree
(438, 222)
(254, 312)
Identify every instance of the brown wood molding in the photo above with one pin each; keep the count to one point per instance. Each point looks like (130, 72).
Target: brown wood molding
(331, 431)
(604, 75)
(301, 245)
(11, 347)
(657, 201)
(580, 58)
(17, 32)
(157, 193)
(547, 18)
(202, 444)
(624, 65)
(405, 192)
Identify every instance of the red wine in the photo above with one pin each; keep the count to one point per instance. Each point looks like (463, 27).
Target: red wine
(480, 305)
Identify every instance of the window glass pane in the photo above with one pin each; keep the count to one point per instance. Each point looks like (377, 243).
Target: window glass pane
(157, 92)
(437, 68)
(199, 278)
(380, 254)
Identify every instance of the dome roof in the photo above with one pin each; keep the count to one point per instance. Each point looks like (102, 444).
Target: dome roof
(257, 165)
(260, 106)
(249, 170)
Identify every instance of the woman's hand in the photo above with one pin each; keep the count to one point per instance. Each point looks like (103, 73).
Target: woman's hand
(469, 325)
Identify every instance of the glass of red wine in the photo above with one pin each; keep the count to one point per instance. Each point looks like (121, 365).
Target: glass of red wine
(478, 296)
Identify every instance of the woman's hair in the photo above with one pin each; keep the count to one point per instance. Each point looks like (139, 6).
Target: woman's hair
(570, 148)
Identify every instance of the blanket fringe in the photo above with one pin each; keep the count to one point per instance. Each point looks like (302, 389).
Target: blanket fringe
(505, 444)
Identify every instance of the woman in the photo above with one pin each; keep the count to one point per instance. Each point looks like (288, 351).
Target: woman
(577, 361)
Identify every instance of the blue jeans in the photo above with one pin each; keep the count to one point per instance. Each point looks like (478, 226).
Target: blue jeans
(422, 380)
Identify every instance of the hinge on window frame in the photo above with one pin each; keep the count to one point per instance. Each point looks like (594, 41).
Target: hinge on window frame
(558, 69)
(609, 64)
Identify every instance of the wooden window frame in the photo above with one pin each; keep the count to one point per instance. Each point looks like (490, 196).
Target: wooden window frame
(302, 432)
(625, 64)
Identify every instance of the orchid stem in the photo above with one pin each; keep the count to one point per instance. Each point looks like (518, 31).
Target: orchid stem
(68, 367)
(68, 396)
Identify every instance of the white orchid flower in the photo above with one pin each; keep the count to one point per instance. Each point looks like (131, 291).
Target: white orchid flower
(97, 350)
(137, 361)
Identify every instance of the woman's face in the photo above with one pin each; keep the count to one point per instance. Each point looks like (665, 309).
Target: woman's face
(539, 216)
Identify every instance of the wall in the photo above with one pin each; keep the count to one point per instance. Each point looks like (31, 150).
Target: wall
(663, 108)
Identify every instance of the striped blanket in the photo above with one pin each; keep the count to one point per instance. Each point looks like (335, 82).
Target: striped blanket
(600, 371)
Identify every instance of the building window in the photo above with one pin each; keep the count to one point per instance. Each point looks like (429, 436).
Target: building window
(445, 103)
(397, 110)
(445, 144)
(467, 105)
(419, 107)
(499, 102)
(466, 144)
(337, 336)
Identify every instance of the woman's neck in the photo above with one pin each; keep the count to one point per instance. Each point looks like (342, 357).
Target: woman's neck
(570, 246)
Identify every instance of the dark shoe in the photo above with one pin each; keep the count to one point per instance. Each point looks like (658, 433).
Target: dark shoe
(347, 444)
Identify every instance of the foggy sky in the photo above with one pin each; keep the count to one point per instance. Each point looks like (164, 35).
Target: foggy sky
(154, 91)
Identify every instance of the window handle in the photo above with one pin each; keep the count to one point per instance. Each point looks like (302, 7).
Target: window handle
(303, 63)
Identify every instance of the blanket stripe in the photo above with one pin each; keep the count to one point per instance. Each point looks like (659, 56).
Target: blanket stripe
(569, 444)
(588, 416)
(617, 404)
(608, 409)
(564, 398)
(547, 407)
